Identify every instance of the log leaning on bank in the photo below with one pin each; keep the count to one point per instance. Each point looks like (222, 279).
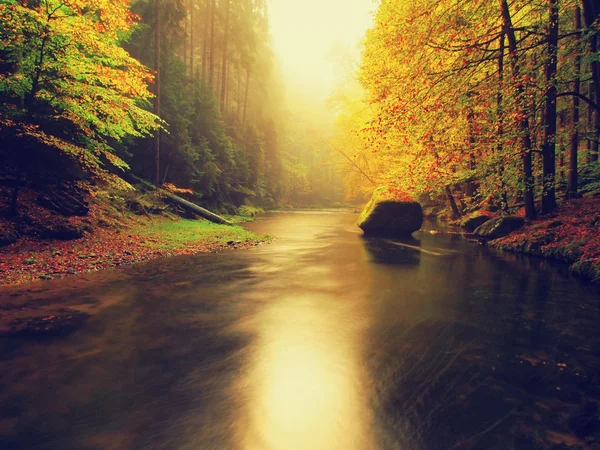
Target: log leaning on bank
(197, 209)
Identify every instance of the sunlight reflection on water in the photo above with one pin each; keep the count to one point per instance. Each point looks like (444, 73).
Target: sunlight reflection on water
(305, 379)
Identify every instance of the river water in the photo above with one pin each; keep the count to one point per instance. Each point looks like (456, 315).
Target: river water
(321, 340)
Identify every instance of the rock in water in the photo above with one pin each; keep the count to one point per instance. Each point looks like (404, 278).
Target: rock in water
(385, 216)
(500, 227)
(474, 221)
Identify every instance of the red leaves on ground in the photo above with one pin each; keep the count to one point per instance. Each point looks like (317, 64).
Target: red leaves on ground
(112, 242)
(574, 231)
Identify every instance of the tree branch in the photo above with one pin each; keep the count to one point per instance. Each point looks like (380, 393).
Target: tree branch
(581, 97)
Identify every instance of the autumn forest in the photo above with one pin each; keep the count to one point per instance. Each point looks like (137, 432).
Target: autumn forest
(299, 224)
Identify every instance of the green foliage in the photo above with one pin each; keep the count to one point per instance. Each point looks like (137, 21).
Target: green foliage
(67, 88)
(249, 211)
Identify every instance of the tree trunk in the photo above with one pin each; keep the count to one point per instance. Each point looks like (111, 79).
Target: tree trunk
(572, 177)
(452, 203)
(188, 8)
(205, 44)
(192, 42)
(470, 186)
(591, 12)
(523, 120)
(246, 94)
(157, 88)
(500, 114)
(224, 62)
(549, 147)
(594, 152)
(590, 120)
(239, 96)
(197, 209)
(211, 68)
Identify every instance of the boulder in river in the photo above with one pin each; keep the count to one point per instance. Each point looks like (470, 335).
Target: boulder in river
(499, 227)
(386, 216)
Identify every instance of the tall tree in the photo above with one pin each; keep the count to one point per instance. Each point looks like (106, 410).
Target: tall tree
(211, 68)
(224, 62)
(523, 113)
(157, 82)
(549, 147)
(573, 149)
(591, 14)
(69, 92)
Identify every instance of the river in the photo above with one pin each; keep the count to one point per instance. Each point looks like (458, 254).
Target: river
(320, 340)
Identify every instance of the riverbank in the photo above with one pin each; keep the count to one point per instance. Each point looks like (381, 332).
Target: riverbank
(572, 235)
(139, 240)
(118, 228)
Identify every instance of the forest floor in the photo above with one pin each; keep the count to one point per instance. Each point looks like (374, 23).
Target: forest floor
(571, 235)
(111, 236)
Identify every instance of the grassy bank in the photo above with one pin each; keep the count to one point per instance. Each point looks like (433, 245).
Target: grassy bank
(120, 228)
(140, 239)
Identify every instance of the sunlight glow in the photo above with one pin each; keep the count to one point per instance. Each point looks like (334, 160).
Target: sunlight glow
(306, 390)
(310, 35)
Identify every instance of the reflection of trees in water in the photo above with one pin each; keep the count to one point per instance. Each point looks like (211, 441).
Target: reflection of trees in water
(385, 251)
(505, 372)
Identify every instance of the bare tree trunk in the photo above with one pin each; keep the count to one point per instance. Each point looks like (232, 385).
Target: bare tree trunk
(197, 209)
(239, 96)
(572, 177)
(246, 94)
(205, 43)
(188, 9)
(213, 14)
(590, 119)
(549, 147)
(452, 203)
(594, 148)
(500, 113)
(157, 88)
(470, 186)
(224, 63)
(523, 121)
(591, 12)
(192, 42)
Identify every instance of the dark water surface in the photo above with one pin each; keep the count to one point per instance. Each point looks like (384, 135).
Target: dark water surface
(322, 340)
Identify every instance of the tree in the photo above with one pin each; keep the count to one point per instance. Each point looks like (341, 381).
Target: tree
(572, 173)
(523, 113)
(549, 147)
(67, 88)
(157, 81)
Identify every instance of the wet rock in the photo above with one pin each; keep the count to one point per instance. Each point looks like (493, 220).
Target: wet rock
(474, 221)
(433, 211)
(62, 324)
(499, 227)
(384, 216)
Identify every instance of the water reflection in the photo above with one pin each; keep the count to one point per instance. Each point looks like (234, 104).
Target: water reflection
(306, 390)
(324, 340)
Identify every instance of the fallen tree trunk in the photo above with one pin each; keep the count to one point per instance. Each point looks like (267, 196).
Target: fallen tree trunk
(205, 213)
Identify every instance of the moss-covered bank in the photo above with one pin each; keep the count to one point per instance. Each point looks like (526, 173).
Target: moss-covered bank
(572, 235)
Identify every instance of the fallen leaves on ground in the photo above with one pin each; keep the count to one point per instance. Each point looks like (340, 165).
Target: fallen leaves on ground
(572, 235)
